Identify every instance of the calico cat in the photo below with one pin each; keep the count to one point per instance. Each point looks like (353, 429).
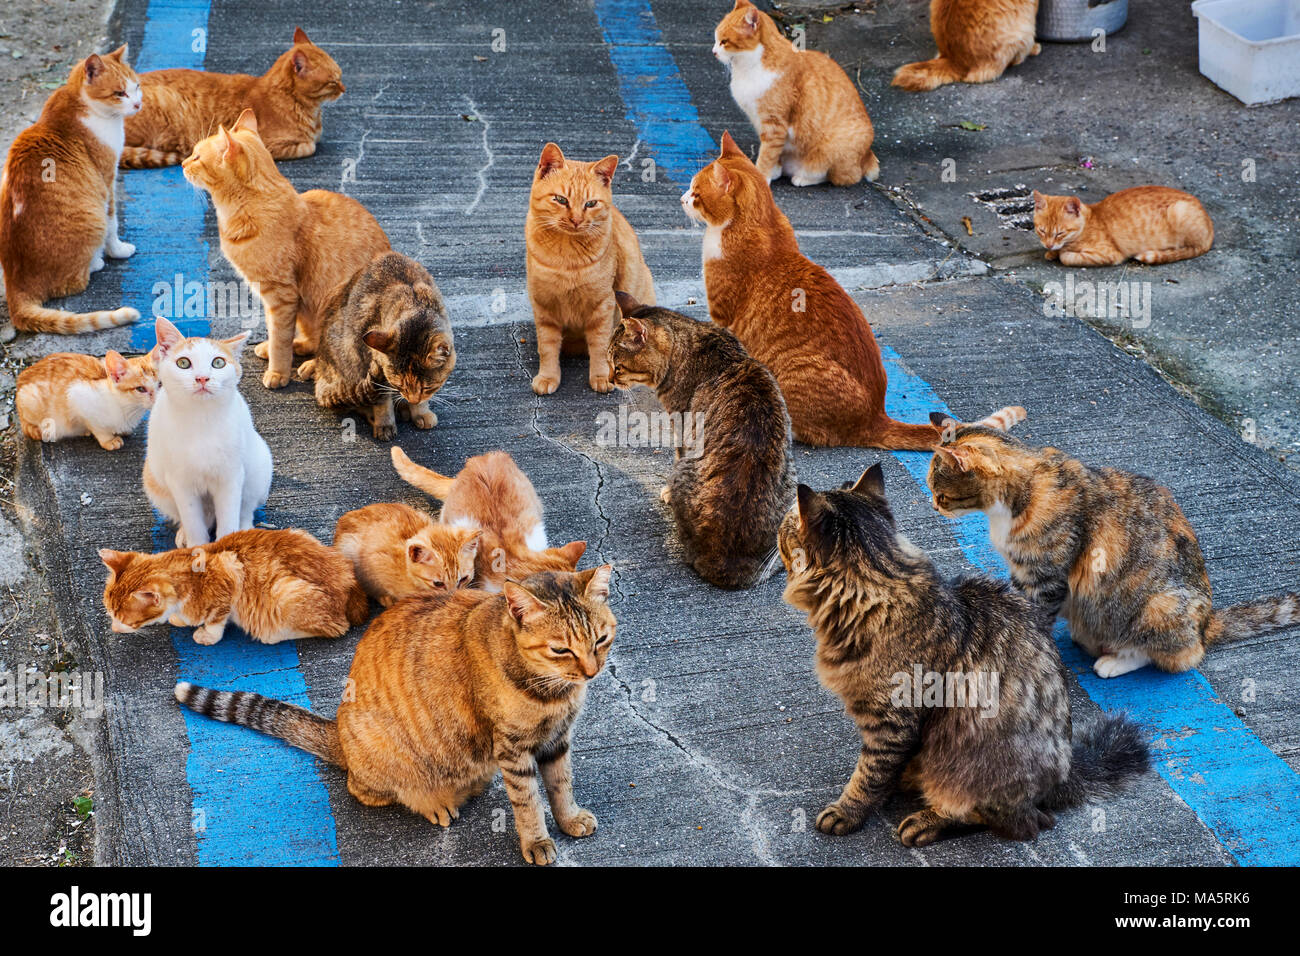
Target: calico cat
(491, 494)
(810, 120)
(385, 336)
(206, 464)
(1109, 551)
(445, 690)
(295, 249)
(956, 688)
(58, 210)
(1151, 224)
(181, 107)
(275, 585)
(729, 499)
(977, 41)
(790, 314)
(66, 395)
(399, 552)
(580, 249)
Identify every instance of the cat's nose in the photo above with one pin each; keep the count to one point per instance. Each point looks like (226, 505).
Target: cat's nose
(201, 380)
(121, 628)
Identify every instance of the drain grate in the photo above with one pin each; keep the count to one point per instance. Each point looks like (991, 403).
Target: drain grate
(1014, 206)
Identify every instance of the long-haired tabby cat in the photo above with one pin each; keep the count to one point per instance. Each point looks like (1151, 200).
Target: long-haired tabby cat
(1151, 224)
(67, 394)
(490, 494)
(728, 499)
(58, 210)
(580, 249)
(446, 690)
(385, 337)
(275, 585)
(1109, 551)
(295, 249)
(957, 689)
(183, 106)
(977, 41)
(810, 120)
(399, 552)
(790, 314)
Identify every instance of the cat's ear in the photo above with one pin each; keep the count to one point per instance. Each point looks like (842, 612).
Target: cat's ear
(551, 160)
(247, 120)
(871, 482)
(115, 366)
(721, 178)
(149, 597)
(572, 552)
(1073, 206)
(300, 35)
(469, 548)
(1040, 200)
(236, 344)
(636, 331)
(116, 561)
(523, 604)
(231, 147)
(606, 168)
(418, 553)
(626, 303)
(809, 504)
(119, 54)
(299, 62)
(729, 147)
(168, 336)
(594, 582)
(960, 457)
(379, 340)
(750, 23)
(93, 66)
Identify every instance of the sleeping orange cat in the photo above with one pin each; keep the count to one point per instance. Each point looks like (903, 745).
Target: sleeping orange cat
(1151, 224)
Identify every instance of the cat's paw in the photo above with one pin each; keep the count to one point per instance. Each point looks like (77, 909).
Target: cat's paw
(385, 431)
(599, 383)
(262, 349)
(442, 816)
(303, 346)
(837, 821)
(112, 443)
(581, 824)
(424, 420)
(539, 852)
(275, 379)
(774, 173)
(545, 384)
(1113, 665)
(177, 621)
(306, 371)
(207, 635)
(1051, 254)
(117, 249)
(802, 179)
(96, 263)
(921, 828)
(665, 494)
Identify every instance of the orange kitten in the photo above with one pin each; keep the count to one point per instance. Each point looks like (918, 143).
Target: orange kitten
(296, 249)
(1151, 224)
(580, 249)
(491, 494)
(66, 395)
(977, 41)
(399, 552)
(275, 585)
(809, 117)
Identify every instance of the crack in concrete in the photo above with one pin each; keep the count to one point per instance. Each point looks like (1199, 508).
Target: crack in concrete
(487, 149)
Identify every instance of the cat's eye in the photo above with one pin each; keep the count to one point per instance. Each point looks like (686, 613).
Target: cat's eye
(439, 586)
(120, 93)
(560, 199)
(561, 651)
(464, 581)
(591, 203)
(182, 362)
(218, 362)
(141, 388)
(604, 639)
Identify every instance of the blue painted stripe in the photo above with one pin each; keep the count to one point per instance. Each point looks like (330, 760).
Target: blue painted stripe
(256, 801)
(1241, 790)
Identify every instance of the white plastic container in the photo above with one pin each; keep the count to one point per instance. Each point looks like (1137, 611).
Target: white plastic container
(1251, 48)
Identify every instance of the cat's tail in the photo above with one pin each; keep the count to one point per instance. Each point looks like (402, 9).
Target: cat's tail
(1107, 755)
(290, 723)
(28, 314)
(358, 606)
(1260, 616)
(146, 157)
(426, 479)
(900, 436)
(927, 74)
(1003, 420)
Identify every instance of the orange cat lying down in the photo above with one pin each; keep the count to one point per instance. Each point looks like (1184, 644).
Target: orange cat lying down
(1151, 224)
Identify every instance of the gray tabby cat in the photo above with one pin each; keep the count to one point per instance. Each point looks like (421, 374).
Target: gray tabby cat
(386, 337)
(956, 688)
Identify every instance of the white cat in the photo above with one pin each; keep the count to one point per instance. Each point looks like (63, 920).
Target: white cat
(206, 464)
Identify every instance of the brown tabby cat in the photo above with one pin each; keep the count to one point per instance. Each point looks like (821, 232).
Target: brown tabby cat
(492, 495)
(956, 687)
(67, 395)
(276, 585)
(386, 337)
(58, 211)
(809, 117)
(1151, 224)
(181, 107)
(580, 249)
(448, 689)
(1109, 551)
(733, 483)
(977, 41)
(399, 552)
(295, 249)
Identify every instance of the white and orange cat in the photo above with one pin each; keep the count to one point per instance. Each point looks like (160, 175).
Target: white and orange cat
(809, 117)
(977, 41)
(400, 552)
(491, 495)
(67, 395)
(58, 210)
(1151, 224)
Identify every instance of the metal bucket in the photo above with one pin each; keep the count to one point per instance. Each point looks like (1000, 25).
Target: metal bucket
(1067, 21)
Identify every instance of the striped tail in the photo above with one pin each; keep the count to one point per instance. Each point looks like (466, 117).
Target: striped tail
(426, 479)
(358, 606)
(290, 723)
(1004, 419)
(900, 436)
(1260, 616)
(926, 74)
(29, 315)
(146, 157)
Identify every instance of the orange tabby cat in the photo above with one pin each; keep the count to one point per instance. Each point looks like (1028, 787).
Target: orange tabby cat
(491, 494)
(66, 395)
(445, 690)
(977, 41)
(580, 249)
(58, 212)
(275, 585)
(809, 117)
(295, 249)
(183, 106)
(1151, 224)
(399, 552)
